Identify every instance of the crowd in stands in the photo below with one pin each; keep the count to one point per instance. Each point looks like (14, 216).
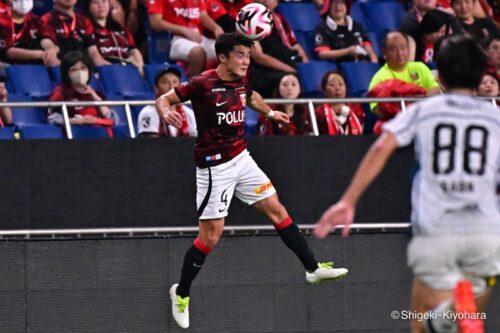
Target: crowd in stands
(72, 38)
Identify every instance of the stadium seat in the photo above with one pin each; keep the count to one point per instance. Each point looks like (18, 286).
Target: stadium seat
(251, 122)
(151, 70)
(376, 39)
(358, 76)
(41, 7)
(32, 80)
(121, 132)
(306, 40)
(158, 47)
(41, 132)
(310, 75)
(122, 80)
(28, 116)
(303, 16)
(89, 132)
(383, 16)
(357, 15)
(7, 133)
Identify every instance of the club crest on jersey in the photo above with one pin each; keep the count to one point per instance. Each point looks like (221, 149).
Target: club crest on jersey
(243, 99)
(232, 118)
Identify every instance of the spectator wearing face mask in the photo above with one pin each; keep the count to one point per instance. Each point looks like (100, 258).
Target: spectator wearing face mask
(76, 73)
(20, 34)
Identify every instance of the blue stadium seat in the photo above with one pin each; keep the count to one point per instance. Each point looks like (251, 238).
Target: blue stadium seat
(310, 75)
(303, 16)
(41, 7)
(376, 39)
(32, 80)
(306, 40)
(357, 15)
(28, 116)
(358, 76)
(7, 133)
(251, 122)
(41, 132)
(89, 132)
(121, 132)
(122, 80)
(158, 47)
(151, 70)
(383, 16)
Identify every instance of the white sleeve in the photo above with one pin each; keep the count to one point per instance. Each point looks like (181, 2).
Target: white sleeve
(148, 120)
(404, 125)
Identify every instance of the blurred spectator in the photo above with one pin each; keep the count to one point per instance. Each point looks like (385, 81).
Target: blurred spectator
(275, 54)
(149, 122)
(419, 78)
(413, 17)
(432, 28)
(478, 28)
(338, 118)
(5, 112)
(187, 21)
(76, 73)
(492, 47)
(339, 38)
(489, 86)
(64, 30)
(224, 12)
(288, 88)
(20, 34)
(114, 42)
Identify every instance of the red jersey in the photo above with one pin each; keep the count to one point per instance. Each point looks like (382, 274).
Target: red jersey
(219, 109)
(217, 8)
(114, 41)
(25, 35)
(62, 93)
(5, 25)
(180, 12)
(70, 33)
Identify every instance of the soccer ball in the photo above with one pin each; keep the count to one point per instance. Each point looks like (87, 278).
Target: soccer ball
(254, 21)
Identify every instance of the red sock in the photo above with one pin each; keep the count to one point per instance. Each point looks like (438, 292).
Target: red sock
(283, 224)
(201, 246)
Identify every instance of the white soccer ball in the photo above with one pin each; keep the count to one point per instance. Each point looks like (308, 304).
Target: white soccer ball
(254, 21)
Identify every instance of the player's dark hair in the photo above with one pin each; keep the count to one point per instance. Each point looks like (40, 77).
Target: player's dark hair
(225, 43)
(69, 60)
(461, 63)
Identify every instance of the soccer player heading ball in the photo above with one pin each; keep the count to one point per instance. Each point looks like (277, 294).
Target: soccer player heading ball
(225, 167)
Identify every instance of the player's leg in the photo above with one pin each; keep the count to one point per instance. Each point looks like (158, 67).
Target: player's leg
(254, 188)
(215, 188)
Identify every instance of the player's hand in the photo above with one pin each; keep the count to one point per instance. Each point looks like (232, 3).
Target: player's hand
(342, 213)
(282, 117)
(172, 117)
(192, 34)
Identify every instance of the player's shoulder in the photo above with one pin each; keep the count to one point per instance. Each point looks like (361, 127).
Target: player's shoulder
(459, 104)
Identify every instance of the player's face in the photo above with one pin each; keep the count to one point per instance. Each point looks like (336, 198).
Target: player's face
(99, 9)
(238, 61)
(433, 37)
(167, 82)
(424, 5)
(396, 52)
(289, 87)
(494, 53)
(335, 86)
(338, 10)
(463, 9)
(488, 87)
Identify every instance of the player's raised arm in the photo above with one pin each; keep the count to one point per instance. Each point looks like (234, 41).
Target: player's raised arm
(256, 102)
(168, 114)
(342, 213)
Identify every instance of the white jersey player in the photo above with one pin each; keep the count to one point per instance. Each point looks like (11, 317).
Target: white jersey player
(455, 251)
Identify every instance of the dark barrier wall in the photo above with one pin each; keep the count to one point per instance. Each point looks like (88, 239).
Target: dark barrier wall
(123, 183)
(248, 284)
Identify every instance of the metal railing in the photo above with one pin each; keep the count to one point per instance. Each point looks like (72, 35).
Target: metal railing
(128, 113)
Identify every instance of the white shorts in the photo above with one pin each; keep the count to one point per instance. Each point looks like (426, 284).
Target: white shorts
(216, 185)
(441, 261)
(180, 47)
